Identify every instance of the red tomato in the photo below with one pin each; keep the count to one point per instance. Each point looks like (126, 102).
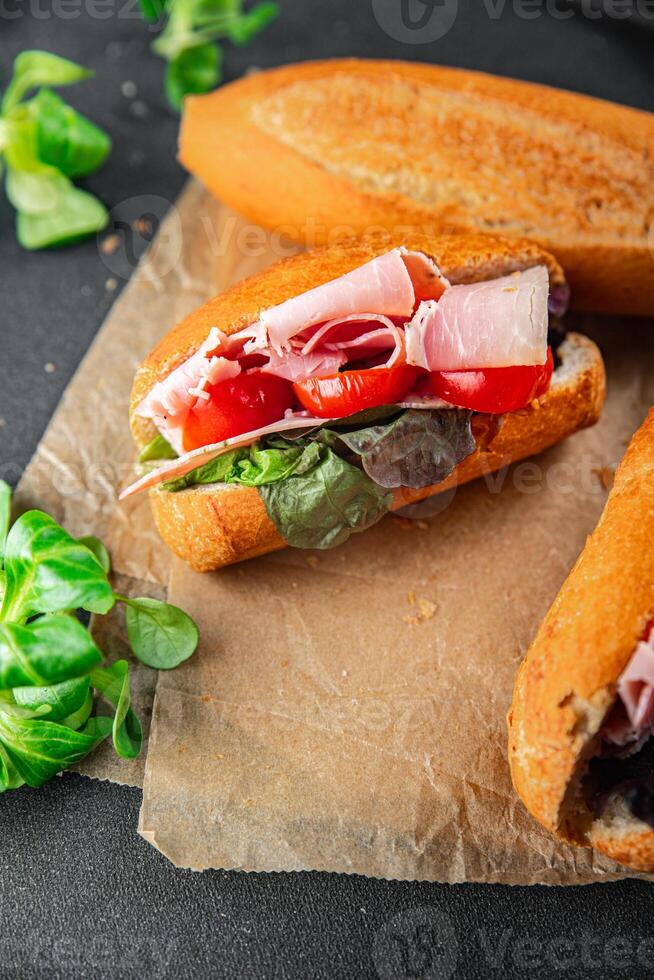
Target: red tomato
(349, 392)
(244, 403)
(492, 390)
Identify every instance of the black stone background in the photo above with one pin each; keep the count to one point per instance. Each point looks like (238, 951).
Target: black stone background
(81, 895)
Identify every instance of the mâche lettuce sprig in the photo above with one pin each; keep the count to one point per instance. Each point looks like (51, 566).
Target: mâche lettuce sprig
(45, 144)
(53, 679)
(188, 39)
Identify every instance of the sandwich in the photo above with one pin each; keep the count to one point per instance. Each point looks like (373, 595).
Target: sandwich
(582, 719)
(306, 402)
(335, 148)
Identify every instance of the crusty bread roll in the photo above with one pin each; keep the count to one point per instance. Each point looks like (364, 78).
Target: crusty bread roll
(342, 147)
(212, 526)
(566, 684)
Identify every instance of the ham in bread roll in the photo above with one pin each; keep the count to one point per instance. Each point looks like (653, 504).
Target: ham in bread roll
(306, 402)
(344, 146)
(582, 718)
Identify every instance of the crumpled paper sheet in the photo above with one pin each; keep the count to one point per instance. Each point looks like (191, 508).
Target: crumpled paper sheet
(346, 709)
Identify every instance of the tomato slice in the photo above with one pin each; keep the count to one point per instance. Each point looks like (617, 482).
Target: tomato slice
(349, 392)
(242, 404)
(491, 390)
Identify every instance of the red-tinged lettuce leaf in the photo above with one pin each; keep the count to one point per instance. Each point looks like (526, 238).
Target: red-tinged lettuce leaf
(417, 449)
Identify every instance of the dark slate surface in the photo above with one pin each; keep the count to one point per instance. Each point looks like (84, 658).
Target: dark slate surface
(80, 893)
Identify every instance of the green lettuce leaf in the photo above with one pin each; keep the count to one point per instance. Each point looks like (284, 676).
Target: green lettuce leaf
(61, 701)
(322, 506)
(48, 571)
(65, 138)
(158, 448)
(315, 497)
(254, 466)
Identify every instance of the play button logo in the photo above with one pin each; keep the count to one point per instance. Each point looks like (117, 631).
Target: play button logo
(415, 21)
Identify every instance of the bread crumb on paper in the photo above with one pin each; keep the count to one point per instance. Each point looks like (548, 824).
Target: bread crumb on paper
(312, 561)
(426, 609)
(403, 522)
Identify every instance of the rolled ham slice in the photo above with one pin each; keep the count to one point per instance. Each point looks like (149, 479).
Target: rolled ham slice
(497, 323)
(385, 285)
(298, 367)
(636, 696)
(169, 401)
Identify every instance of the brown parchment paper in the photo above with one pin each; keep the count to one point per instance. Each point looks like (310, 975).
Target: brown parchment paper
(346, 709)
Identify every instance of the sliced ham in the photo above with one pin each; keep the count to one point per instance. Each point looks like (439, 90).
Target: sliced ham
(490, 324)
(368, 332)
(298, 367)
(169, 401)
(197, 457)
(497, 323)
(384, 285)
(634, 717)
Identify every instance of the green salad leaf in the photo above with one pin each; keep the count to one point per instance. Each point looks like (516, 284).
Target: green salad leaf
(192, 72)
(417, 449)
(52, 674)
(40, 749)
(48, 571)
(5, 514)
(47, 651)
(46, 144)
(35, 68)
(160, 635)
(253, 466)
(191, 30)
(113, 685)
(320, 486)
(321, 507)
(155, 450)
(98, 550)
(62, 702)
(67, 140)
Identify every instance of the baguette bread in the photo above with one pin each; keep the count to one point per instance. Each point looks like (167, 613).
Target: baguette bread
(332, 148)
(212, 526)
(566, 684)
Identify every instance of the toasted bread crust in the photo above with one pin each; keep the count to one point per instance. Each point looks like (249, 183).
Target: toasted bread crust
(440, 150)
(566, 683)
(462, 258)
(633, 847)
(212, 526)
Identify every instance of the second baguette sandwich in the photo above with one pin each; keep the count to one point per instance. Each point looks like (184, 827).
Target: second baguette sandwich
(306, 402)
(581, 724)
(341, 147)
